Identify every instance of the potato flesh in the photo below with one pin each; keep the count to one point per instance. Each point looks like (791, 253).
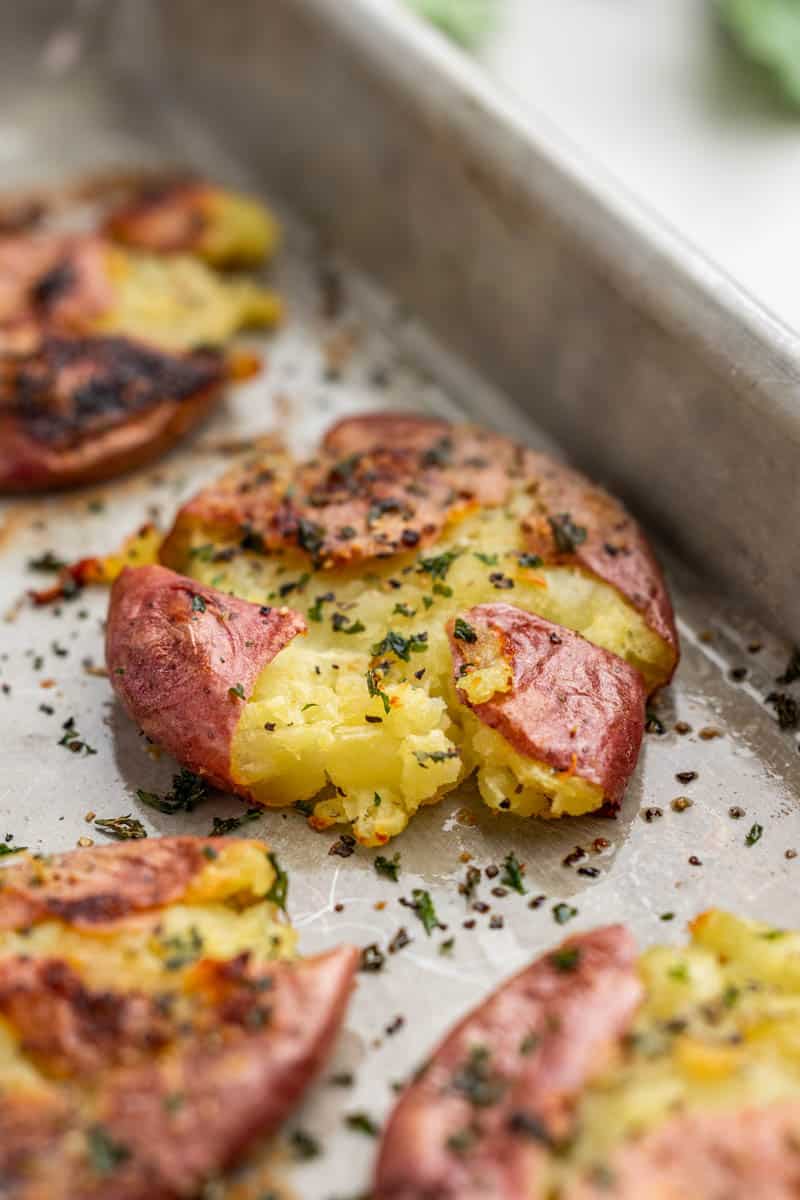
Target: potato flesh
(177, 302)
(239, 230)
(735, 989)
(322, 735)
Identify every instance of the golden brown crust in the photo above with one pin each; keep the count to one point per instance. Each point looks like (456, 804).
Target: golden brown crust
(79, 410)
(96, 887)
(387, 483)
(749, 1154)
(192, 662)
(477, 1123)
(166, 217)
(572, 705)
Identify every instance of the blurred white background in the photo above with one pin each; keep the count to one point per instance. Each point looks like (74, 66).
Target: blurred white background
(650, 89)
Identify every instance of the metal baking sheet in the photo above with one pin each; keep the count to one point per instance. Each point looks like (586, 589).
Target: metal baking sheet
(77, 117)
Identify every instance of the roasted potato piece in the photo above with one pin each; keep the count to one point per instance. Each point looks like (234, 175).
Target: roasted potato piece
(191, 216)
(83, 284)
(689, 1087)
(152, 1023)
(78, 410)
(185, 658)
(555, 723)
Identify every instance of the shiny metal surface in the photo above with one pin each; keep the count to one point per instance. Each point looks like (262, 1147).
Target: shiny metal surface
(568, 312)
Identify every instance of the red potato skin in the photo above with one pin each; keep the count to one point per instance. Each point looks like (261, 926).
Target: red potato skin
(745, 1155)
(183, 658)
(575, 1016)
(58, 279)
(166, 218)
(152, 400)
(97, 887)
(571, 705)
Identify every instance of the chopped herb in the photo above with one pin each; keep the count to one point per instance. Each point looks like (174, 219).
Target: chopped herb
(72, 739)
(446, 947)
(653, 723)
(403, 647)
(464, 632)
(792, 671)
(237, 692)
(489, 560)
(679, 972)
(566, 534)
(361, 1122)
(174, 1102)
(210, 853)
(343, 624)
(204, 553)
(343, 847)
(512, 873)
(526, 1124)
(294, 585)
(280, 885)
(46, 563)
(667, 916)
(403, 610)
(5, 848)
(377, 798)
(530, 560)
(304, 1146)
(306, 807)
(437, 756)
(372, 958)
(310, 536)
(310, 704)
(462, 1141)
(374, 689)
(566, 958)
(389, 868)
(438, 566)
(730, 996)
(754, 835)
(198, 603)
(105, 1154)
(442, 589)
(180, 950)
(123, 828)
(315, 611)
(424, 908)
(563, 913)
(786, 709)
(529, 1044)
(188, 790)
(476, 1080)
(220, 826)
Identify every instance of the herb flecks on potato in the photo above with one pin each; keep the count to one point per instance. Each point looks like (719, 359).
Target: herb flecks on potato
(152, 1021)
(386, 541)
(594, 1074)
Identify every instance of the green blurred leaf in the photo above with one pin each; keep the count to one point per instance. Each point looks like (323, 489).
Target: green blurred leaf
(768, 32)
(465, 21)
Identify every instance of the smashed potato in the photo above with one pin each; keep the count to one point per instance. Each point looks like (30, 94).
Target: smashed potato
(593, 1074)
(152, 1021)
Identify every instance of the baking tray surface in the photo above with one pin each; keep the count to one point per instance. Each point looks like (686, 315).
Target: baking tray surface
(657, 864)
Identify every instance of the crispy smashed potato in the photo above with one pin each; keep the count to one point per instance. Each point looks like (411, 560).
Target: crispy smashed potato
(394, 553)
(152, 1023)
(592, 1074)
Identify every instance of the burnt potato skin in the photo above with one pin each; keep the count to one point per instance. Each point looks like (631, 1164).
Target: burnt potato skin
(149, 1091)
(569, 704)
(79, 410)
(183, 659)
(498, 1091)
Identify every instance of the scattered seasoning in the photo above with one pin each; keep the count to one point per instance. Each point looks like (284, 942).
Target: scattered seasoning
(790, 854)
(679, 972)
(471, 880)
(400, 940)
(279, 891)
(792, 670)
(754, 835)
(667, 916)
(530, 560)
(682, 727)
(105, 1154)
(589, 872)
(372, 958)
(694, 861)
(500, 581)
(395, 1025)
(477, 1082)
(496, 921)
(681, 803)
(528, 1044)
(600, 844)
(188, 790)
(304, 1147)
(652, 814)
(488, 560)
(389, 868)
(124, 828)
(513, 871)
(343, 847)
(738, 674)
(566, 534)
(182, 949)
(566, 958)
(361, 1122)
(423, 908)
(653, 723)
(198, 603)
(736, 812)
(343, 1079)
(708, 733)
(48, 564)
(220, 826)
(537, 902)
(464, 632)
(574, 856)
(686, 776)
(73, 741)
(563, 912)
(786, 708)
(342, 624)
(237, 692)
(446, 947)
